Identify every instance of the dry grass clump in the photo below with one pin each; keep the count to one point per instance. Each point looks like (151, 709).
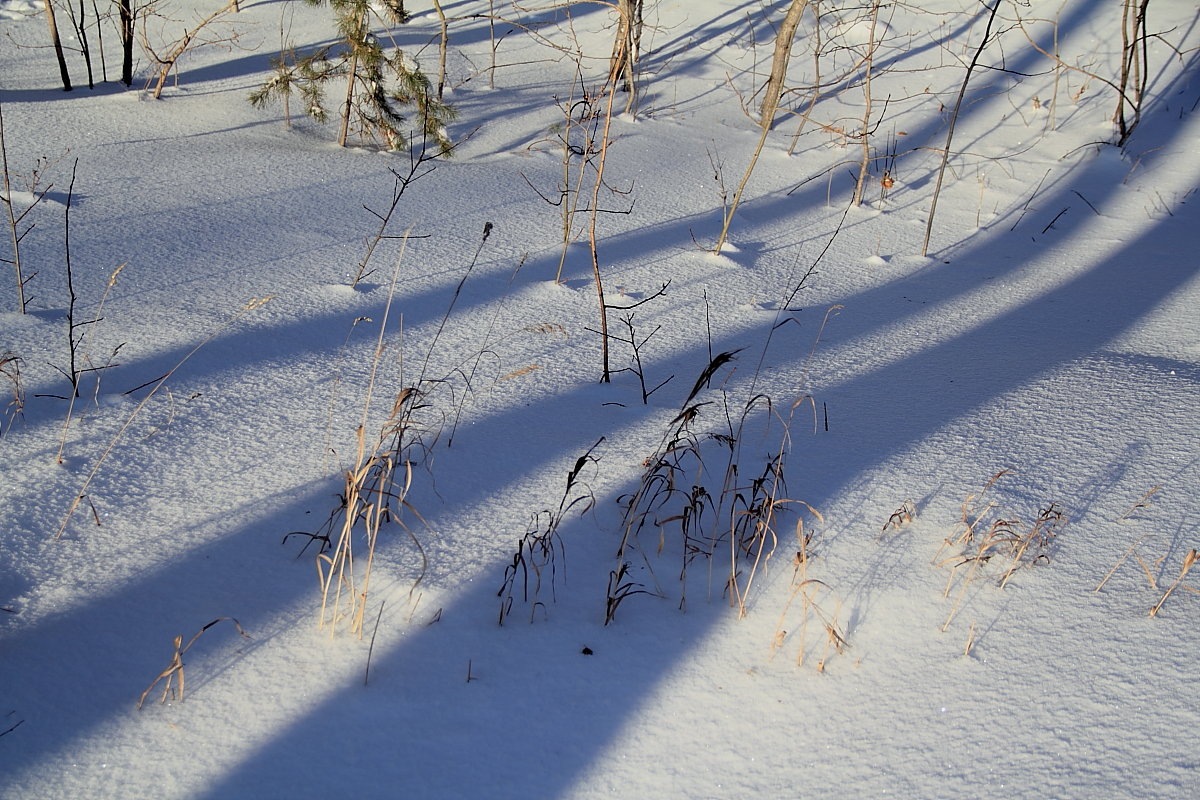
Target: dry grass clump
(754, 508)
(1007, 540)
(376, 485)
(374, 493)
(902, 516)
(815, 597)
(541, 549)
(697, 512)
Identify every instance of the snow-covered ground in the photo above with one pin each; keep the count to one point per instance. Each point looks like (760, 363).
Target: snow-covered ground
(1042, 362)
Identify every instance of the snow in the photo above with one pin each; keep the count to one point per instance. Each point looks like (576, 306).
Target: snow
(1045, 351)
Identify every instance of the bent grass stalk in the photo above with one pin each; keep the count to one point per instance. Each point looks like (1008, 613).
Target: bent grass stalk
(1143, 502)
(1188, 562)
(173, 674)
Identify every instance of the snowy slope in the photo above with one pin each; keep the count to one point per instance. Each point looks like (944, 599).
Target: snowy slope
(1050, 331)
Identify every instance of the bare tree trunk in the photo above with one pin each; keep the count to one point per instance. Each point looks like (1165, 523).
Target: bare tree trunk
(79, 23)
(442, 47)
(492, 42)
(100, 41)
(445, 42)
(58, 51)
(167, 61)
(622, 65)
(606, 371)
(816, 90)
(779, 62)
(343, 131)
(1058, 70)
(783, 52)
(125, 13)
(869, 62)
(348, 107)
(1119, 117)
(1133, 67)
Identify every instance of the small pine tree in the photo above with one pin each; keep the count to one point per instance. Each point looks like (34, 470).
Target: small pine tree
(378, 84)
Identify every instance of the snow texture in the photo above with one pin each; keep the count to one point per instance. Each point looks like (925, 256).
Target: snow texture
(1042, 359)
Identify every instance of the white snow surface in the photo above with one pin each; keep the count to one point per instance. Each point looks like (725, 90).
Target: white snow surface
(1042, 358)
